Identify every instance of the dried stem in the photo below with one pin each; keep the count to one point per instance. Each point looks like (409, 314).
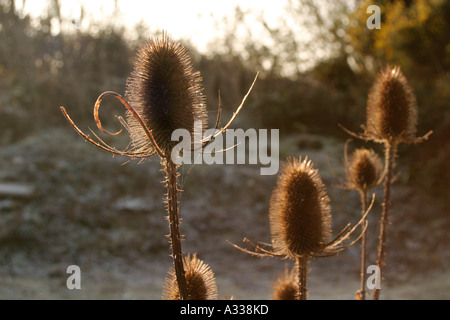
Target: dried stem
(390, 151)
(362, 292)
(133, 112)
(174, 224)
(302, 265)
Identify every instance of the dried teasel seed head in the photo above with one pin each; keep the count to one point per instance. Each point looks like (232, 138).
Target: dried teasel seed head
(286, 286)
(364, 169)
(166, 92)
(201, 284)
(300, 219)
(391, 107)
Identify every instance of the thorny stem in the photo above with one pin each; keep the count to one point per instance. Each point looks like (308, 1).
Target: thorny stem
(302, 264)
(170, 169)
(362, 292)
(390, 151)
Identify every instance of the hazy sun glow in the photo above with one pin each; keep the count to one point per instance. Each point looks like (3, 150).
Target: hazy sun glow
(197, 20)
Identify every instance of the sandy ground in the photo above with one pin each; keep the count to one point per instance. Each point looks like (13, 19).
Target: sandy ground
(128, 283)
(107, 217)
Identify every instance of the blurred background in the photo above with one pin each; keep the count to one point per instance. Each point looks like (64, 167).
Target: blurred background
(64, 202)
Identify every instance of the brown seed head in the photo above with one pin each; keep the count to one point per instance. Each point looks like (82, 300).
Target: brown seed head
(166, 92)
(300, 217)
(364, 169)
(286, 287)
(391, 108)
(199, 278)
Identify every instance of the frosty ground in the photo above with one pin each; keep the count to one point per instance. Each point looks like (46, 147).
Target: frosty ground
(105, 215)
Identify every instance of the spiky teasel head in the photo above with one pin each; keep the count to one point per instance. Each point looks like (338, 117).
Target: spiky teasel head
(163, 94)
(300, 217)
(363, 169)
(391, 108)
(201, 284)
(286, 286)
(166, 92)
(391, 113)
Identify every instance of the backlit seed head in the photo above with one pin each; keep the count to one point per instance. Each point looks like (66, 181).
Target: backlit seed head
(391, 107)
(363, 169)
(300, 219)
(166, 92)
(286, 287)
(201, 284)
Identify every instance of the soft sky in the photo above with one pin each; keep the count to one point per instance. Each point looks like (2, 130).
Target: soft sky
(198, 20)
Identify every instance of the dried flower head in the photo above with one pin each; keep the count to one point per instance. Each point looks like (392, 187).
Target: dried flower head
(363, 169)
(163, 94)
(300, 224)
(391, 113)
(286, 286)
(201, 284)
(299, 210)
(165, 91)
(391, 107)
(300, 219)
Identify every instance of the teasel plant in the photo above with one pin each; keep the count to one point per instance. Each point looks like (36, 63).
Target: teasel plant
(200, 281)
(391, 119)
(163, 94)
(286, 286)
(363, 172)
(300, 221)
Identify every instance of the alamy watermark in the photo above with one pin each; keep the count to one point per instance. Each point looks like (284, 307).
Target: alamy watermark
(374, 280)
(234, 146)
(374, 21)
(74, 280)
